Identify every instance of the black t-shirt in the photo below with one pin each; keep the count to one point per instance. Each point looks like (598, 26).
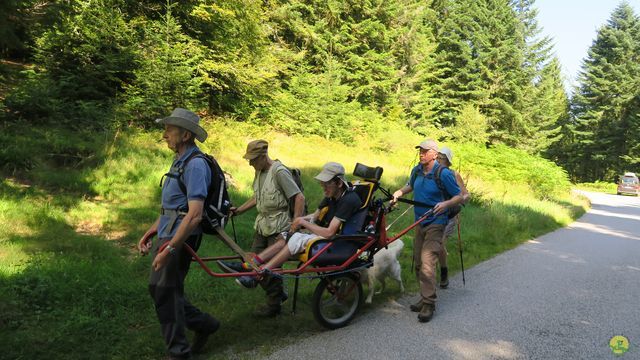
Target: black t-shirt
(343, 209)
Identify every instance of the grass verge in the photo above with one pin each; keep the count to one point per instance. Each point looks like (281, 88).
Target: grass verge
(598, 186)
(73, 287)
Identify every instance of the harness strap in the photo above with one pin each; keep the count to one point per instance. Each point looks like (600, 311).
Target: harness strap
(173, 214)
(414, 203)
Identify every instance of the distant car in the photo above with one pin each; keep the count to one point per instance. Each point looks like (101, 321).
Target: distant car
(629, 184)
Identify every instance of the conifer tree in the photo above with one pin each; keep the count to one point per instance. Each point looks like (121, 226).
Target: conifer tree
(479, 62)
(414, 51)
(545, 101)
(456, 80)
(547, 109)
(606, 103)
(167, 76)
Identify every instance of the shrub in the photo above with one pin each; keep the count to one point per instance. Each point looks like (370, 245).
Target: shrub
(471, 126)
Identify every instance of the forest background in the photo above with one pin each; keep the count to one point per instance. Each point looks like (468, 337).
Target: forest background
(82, 81)
(477, 71)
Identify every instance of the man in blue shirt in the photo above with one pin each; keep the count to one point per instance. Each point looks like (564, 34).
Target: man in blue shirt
(428, 240)
(179, 223)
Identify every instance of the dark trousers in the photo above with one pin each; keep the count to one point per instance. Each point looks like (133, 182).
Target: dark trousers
(174, 311)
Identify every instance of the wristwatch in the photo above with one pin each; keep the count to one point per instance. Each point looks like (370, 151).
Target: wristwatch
(172, 250)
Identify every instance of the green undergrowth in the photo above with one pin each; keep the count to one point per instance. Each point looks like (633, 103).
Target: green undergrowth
(598, 186)
(73, 206)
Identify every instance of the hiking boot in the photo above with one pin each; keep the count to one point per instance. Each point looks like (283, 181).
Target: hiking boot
(417, 306)
(444, 278)
(200, 338)
(267, 275)
(268, 311)
(426, 313)
(249, 282)
(231, 266)
(175, 357)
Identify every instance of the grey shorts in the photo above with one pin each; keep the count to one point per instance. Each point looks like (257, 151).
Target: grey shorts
(298, 242)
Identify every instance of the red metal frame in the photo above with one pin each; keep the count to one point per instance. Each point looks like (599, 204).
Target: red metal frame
(382, 241)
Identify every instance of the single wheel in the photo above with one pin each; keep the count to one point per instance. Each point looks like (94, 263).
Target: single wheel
(337, 299)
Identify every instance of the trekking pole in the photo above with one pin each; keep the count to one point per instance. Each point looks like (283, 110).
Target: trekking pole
(398, 218)
(233, 227)
(237, 249)
(460, 251)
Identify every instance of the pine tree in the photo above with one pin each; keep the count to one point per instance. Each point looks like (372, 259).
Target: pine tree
(456, 78)
(501, 55)
(479, 63)
(545, 101)
(414, 51)
(167, 76)
(84, 59)
(548, 110)
(606, 104)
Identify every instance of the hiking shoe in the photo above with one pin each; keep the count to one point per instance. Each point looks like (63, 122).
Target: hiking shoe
(444, 278)
(267, 275)
(231, 266)
(271, 310)
(426, 313)
(249, 282)
(268, 311)
(200, 338)
(416, 307)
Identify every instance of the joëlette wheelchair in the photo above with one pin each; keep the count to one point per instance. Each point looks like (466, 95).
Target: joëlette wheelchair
(336, 261)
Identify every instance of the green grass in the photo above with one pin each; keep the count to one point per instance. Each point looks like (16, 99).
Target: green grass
(599, 186)
(72, 285)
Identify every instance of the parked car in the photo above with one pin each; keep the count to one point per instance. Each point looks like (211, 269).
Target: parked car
(629, 184)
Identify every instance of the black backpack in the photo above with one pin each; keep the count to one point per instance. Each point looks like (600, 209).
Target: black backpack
(296, 174)
(453, 211)
(217, 203)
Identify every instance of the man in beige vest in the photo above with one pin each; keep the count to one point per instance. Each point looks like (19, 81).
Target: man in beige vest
(273, 188)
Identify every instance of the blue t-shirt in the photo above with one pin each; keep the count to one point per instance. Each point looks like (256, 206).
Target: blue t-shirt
(196, 178)
(425, 190)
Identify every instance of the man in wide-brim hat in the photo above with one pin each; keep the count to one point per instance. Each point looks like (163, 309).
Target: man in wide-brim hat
(179, 223)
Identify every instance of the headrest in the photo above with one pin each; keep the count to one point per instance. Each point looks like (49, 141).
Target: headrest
(368, 173)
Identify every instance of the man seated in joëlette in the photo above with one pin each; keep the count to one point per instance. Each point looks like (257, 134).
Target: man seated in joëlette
(335, 215)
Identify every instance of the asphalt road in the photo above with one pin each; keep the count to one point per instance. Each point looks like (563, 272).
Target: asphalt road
(561, 296)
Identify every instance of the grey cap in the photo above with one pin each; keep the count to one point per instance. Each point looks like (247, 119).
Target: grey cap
(448, 153)
(428, 144)
(331, 170)
(187, 120)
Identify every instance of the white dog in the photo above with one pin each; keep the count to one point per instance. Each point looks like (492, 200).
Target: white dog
(385, 264)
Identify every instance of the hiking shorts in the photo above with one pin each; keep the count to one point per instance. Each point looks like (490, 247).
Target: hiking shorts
(298, 242)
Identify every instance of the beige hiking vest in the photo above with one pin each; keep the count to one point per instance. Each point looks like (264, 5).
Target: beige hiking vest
(271, 203)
